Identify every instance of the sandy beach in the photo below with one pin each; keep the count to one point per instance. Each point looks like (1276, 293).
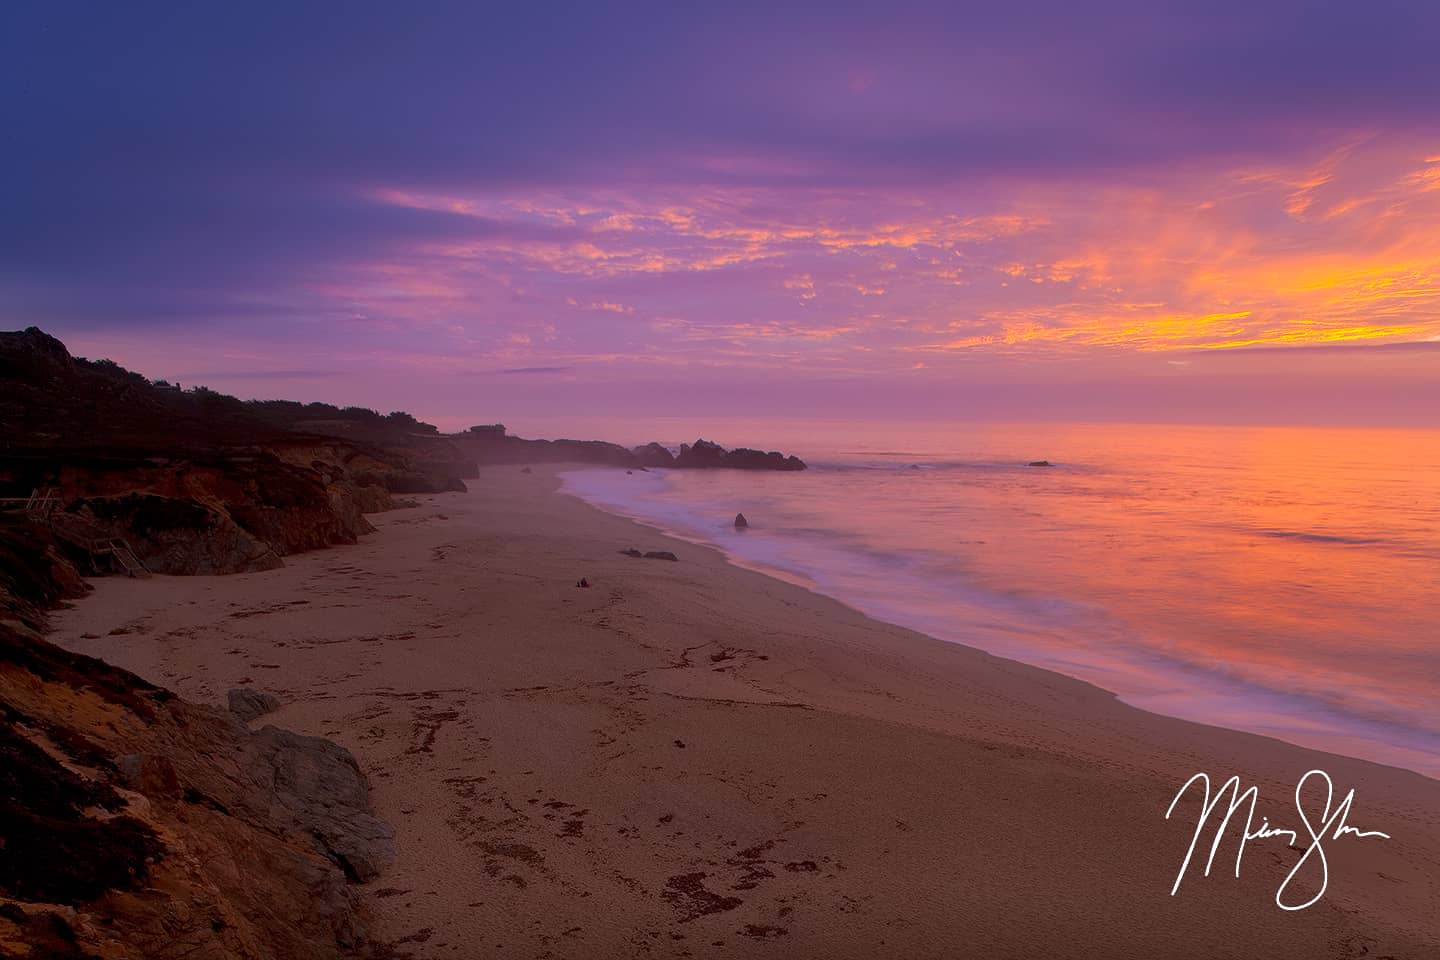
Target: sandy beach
(693, 759)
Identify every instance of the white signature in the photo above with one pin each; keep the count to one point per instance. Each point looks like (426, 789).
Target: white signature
(1331, 825)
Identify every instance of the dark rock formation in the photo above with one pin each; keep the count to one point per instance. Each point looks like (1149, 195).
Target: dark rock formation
(491, 445)
(1040, 463)
(632, 552)
(35, 572)
(740, 522)
(704, 454)
(660, 555)
(654, 455)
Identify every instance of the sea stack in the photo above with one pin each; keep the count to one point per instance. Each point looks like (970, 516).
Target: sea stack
(740, 522)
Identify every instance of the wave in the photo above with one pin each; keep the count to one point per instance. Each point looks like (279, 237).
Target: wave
(937, 594)
(1305, 537)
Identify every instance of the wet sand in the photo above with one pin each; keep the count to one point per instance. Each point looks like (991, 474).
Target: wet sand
(692, 759)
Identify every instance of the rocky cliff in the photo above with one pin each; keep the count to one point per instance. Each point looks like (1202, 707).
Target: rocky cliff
(136, 825)
(195, 482)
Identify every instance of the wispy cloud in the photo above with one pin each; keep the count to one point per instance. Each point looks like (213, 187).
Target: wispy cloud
(968, 186)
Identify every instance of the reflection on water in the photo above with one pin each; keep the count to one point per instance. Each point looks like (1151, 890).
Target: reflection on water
(1277, 580)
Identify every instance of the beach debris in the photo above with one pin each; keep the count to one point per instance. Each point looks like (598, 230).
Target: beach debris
(680, 744)
(582, 582)
(740, 522)
(764, 931)
(652, 554)
(686, 892)
(248, 704)
(1040, 463)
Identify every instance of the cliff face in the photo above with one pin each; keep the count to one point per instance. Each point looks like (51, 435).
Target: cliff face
(136, 825)
(224, 514)
(195, 483)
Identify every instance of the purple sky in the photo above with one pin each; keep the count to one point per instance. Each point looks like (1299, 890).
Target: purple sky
(1111, 211)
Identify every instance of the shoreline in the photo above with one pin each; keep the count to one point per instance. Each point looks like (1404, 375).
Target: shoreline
(696, 753)
(1350, 735)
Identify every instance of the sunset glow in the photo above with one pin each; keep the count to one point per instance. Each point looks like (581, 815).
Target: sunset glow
(787, 199)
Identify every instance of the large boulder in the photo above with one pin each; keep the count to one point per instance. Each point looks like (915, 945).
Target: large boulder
(655, 455)
(743, 458)
(700, 455)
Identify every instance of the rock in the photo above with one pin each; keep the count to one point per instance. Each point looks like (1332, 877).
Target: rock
(701, 455)
(632, 552)
(1040, 463)
(707, 455)
(740, 522)
(582, 582)
(654, 455)
(742, 458)
(316, 785)
(526, 470)
(247, 703)
(661, 555)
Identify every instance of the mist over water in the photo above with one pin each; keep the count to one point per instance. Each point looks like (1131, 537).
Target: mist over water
(1284, 581)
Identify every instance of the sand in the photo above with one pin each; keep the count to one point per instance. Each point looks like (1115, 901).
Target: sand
(693, 759)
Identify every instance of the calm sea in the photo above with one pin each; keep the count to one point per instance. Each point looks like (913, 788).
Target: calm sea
(1284, 581)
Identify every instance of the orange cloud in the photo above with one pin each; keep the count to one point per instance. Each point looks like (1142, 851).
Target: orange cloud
(1343, 248)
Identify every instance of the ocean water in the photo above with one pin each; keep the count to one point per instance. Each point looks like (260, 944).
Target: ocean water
(1284, 581)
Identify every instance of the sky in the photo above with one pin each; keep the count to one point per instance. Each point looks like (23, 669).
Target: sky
(1122, 210)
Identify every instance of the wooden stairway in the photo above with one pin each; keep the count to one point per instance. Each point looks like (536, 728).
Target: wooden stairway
(105, 552)
(42, 503)
(122, 554)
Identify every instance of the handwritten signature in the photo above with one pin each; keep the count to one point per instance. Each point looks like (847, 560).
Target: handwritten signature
(1330, 826)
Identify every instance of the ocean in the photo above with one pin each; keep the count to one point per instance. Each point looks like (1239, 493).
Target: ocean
(1283, 581)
